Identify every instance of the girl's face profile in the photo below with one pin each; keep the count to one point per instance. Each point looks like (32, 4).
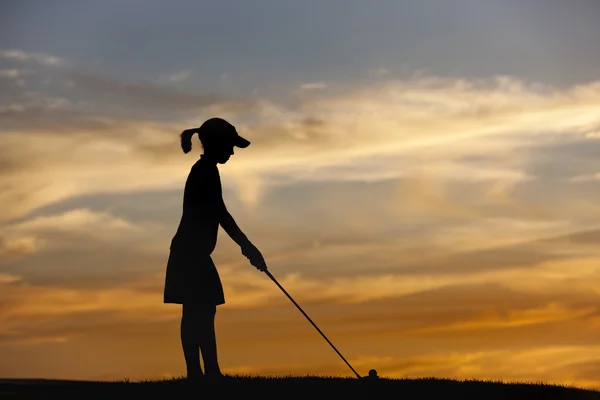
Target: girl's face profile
(222, 152)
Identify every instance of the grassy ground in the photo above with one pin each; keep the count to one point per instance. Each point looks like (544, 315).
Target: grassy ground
(293, 386)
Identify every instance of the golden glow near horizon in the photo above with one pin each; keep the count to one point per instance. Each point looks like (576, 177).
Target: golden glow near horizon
(420, 222)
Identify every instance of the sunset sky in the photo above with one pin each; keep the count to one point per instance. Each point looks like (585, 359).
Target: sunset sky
(423, 179)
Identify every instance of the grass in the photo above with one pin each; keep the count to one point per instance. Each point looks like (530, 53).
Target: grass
(292, 386)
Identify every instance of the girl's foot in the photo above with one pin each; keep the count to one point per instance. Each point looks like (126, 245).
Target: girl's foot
(214, 377)
(194, 375)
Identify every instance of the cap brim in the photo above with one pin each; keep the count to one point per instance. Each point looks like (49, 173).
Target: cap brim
(241, 142)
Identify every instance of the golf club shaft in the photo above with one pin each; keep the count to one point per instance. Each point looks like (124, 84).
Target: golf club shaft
(310, 320)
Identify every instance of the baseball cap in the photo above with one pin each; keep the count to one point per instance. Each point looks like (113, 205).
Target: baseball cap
(219, 130)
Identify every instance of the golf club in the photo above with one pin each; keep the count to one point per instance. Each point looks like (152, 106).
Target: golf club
(372, 373)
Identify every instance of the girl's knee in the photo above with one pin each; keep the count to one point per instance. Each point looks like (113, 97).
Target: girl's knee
(199, 310)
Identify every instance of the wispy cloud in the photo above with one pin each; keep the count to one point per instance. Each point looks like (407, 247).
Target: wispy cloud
(427, 126)
(313, 86)
(7, 278)
(14, 246)
(39, 58)
(176, 77)
(143, 93)
(586, 177)
(10, 73)
(380, 72)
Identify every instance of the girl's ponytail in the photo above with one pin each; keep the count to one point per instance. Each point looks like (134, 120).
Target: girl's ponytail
(186, 139)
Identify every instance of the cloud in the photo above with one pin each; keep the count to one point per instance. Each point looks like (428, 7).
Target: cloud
(428, 126)
(7, 278)
(142, 95)
(552, 312)
(176, 77)
(313, 86)
(10, 73)
(141, 92)
(73, 230)
(14, 246)
(87, 98)
(60, 166)
(586, 177)
(435, 331)
(79, 222)
(379, 72)
(246, 289)
(39, 58)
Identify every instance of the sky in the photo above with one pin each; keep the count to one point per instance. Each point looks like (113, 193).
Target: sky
(423, 180)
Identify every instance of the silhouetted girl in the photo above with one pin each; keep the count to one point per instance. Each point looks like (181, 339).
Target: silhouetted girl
(191, 277)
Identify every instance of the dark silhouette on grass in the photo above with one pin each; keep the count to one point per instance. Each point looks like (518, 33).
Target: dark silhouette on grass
(191, 277)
